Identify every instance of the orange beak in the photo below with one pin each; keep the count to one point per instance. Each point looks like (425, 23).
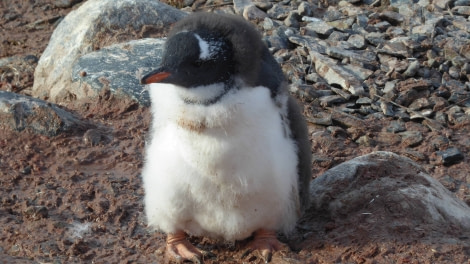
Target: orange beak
(155, 77)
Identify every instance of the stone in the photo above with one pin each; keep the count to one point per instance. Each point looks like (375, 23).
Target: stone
(119, 67)
(396, 126)
(341, 92)
(428, 27)
(461, 10)
(94, 25)
(419, 104)
(279, 12)
(66, 3)
(363, 100)
(269, 24)
(309, 42)
(387, 108)
(411, 138)
(358, 72)
(263, 4)
(412, 69)
(253, 13)
(375, 38)
(305, 9)
(450, 156)
(331, 100)
(319, 27)
(462, 3)
(292, 20)
(320, 119)
(19, 112)
(364, 58)
(393, 17)
(442, 4)
(385, 183)
(337, 36)
(335, 74)
(342, 24)
(240, 5)
(394, 48)
(358, 41)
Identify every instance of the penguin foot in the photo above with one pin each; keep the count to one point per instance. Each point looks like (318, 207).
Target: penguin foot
(265, 243)
(179, 249)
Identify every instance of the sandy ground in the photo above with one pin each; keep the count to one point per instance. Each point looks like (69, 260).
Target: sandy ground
(67, 200)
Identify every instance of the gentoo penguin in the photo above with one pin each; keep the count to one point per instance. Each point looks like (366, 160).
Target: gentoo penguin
(229, 155)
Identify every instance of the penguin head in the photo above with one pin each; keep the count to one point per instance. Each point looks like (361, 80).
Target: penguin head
(205, 49)
(195, 58)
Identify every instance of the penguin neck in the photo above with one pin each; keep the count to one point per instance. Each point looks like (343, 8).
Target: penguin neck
(207, 94)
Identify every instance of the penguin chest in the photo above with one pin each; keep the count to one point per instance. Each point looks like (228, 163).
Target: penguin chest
(228, 168)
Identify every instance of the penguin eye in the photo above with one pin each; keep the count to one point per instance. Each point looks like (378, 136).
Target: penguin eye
(198, 63)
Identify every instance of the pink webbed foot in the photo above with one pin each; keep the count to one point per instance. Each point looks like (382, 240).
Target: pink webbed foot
(179, 249)
(265, 243)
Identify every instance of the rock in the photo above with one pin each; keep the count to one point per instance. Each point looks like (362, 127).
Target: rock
(411, 138)
(396, 126)
(279, 12)
(395, 48)
(94, 137)
(342, 24)
(335, 74)
(19, 112)
(358, 41)
(292, 20)
(318, 27)
(375, 38)
(412, 69)
(264, 5)
(428, 27)
(254, 13)
(365, 58)
(305, 9)
(94, 25)
(461, 10)
(66, 3)
(442, 4)
(462, 3)
(462, 24)
(387, 108)
(393, 17)
(119, 67)
(358, 72)
(331, 100)
(384, 185)
(450, 156)
(240, 5)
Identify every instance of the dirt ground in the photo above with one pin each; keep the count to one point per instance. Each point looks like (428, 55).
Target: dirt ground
(65, 199)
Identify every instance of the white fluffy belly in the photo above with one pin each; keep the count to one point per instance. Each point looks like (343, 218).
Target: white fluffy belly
(230, 175)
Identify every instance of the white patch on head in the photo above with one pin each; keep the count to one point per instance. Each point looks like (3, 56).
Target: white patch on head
(205, 48)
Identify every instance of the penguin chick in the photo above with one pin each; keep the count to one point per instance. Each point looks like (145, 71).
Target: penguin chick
(229, 155)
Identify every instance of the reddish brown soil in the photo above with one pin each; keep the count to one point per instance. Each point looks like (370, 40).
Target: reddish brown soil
(65, 200)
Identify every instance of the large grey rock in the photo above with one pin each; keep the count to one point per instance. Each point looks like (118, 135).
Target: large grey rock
(384, 185)
(95, 24)
(19, 112)
(119, 67)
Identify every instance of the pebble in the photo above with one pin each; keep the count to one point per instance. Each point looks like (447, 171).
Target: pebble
(411, 138)
(66, 3)
(358, 41)
(450, 156)
(319, 27)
